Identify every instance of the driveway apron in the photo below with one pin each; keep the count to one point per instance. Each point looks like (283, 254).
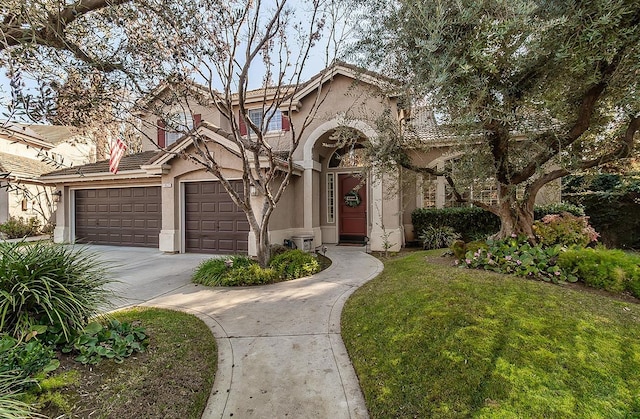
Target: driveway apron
(279, 346)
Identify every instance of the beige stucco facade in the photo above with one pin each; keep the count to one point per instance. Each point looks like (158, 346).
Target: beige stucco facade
(311, 204)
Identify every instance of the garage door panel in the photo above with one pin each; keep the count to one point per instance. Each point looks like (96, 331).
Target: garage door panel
(119, 216)
(218, 219)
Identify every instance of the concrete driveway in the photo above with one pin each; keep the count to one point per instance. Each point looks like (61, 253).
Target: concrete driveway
(144, 274)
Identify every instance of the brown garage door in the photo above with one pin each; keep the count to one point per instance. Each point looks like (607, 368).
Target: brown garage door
(214, 224)
(119, 216)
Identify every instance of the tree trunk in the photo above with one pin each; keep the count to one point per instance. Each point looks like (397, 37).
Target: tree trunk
(263, 247)
(515, 219)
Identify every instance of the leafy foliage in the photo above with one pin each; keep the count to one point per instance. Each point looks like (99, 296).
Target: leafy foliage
(470, 222)
(438, 237)
(26, 359)
(612, 270)
(114, 340)
(294, 264)
(241, 270)
(540, 211)
(525, 92)
(49, 284)
(565, 230)
(18, 227)
(11, 405)
(517, 256)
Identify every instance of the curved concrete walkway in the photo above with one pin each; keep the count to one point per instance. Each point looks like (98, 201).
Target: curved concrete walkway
(279, 346)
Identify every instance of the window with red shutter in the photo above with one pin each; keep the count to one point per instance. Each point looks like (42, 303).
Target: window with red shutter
(162, 134)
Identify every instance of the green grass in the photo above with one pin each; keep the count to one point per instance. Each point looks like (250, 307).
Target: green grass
(435, 341)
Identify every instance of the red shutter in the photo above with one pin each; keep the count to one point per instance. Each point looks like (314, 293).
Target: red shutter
(242, 125)
(286, 126)
(162, 134)
(197, 118)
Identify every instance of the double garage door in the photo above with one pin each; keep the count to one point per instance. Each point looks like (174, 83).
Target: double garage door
(133, 217)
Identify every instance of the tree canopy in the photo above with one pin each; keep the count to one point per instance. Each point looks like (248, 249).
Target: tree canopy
(531, 90)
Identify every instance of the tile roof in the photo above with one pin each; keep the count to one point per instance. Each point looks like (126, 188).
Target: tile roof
(129, 162)
(19, 165)
(54, 134)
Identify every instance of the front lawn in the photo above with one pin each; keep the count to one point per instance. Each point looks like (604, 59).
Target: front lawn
(172, 378)
(434, 341)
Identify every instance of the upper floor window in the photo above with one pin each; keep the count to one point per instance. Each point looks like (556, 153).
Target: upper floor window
(176, 127)
(272, 120)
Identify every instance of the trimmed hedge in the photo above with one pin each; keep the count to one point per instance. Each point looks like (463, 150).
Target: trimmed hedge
(470, 222)
(476, 223)
(616, 216)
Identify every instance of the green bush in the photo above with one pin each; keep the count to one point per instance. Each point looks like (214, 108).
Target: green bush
(252, 274)
(438, 237)
(49, 284)
(470, 222)
(564, 229)
(17, 228)
(540, 211)
(212, 272)
(25, 359)
(517, 256)
(612, 270)
(294, 264)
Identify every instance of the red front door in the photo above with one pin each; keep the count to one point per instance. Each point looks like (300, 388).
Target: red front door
(353, 208)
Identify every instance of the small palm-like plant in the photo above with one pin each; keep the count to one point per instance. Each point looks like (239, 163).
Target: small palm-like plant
(438, 237)
(49, 284)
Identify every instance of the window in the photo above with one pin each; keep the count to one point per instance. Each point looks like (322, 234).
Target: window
(177, 127)
(331, 202)
(429, 191)
(348, 156)
(274, 118)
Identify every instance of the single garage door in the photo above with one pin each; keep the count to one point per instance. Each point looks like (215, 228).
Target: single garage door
(213, 223)
(119, 216)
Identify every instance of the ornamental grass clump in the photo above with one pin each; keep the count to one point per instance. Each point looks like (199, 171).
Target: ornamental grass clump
(49, 284)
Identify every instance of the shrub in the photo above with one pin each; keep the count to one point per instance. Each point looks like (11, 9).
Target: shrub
(438, 237)
(49, 284)
(252, 274)
(470, 222)
(540, 211)
(212, 272)
(294, 264)
(612, 270)
(564, 229)
(517, 256)
(17, 228)
(25, 359)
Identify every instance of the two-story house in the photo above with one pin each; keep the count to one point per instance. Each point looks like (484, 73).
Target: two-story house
(158, 199)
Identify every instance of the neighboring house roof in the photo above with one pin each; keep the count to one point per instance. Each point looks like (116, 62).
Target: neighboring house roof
(54, 134)
(19, 166)
(127, 163)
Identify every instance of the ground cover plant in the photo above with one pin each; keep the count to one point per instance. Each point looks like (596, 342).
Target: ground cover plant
(241, 270)
(429, 340)
(171, 378)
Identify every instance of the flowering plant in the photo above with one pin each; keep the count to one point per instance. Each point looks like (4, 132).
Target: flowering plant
(564, 229)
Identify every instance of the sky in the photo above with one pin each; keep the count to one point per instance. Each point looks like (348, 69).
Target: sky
(316, 62)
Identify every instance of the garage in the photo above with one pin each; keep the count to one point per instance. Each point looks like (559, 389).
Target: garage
(118, 216)
(213, 223)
